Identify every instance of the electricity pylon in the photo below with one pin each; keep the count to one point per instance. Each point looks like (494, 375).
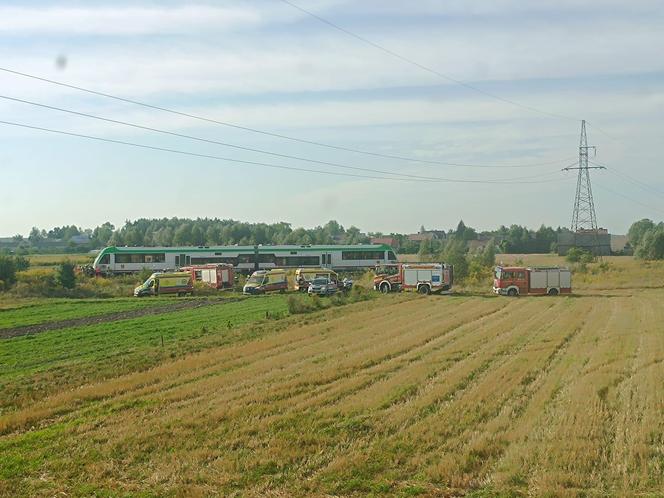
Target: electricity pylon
(584, 217)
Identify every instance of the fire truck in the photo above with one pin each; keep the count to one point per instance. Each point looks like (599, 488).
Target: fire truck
(424, 278)
(216, 275)
(518, 280)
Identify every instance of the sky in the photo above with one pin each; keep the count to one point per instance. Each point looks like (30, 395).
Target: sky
(515, 79)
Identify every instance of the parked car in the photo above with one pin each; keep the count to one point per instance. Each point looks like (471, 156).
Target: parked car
(323, 287)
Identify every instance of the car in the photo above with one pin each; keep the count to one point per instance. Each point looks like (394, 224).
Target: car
(322, 287)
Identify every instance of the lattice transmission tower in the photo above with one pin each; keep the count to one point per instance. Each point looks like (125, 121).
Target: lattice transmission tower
(584, 217)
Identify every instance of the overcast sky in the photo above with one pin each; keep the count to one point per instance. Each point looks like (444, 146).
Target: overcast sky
(265, 65)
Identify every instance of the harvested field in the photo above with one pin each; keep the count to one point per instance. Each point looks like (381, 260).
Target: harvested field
(400, 396)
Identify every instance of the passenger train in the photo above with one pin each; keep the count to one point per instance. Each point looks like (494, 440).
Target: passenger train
(112, 260)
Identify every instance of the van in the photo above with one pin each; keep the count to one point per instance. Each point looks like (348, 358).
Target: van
(179, 283)
(263, 281)
(304, 276)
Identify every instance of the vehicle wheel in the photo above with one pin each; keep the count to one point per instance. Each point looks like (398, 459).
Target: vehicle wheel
(512, 293)
(424, 289)
(553, 292)
(385, 287)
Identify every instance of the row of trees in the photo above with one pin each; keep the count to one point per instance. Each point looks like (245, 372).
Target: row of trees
(214, 231)
(647, 238)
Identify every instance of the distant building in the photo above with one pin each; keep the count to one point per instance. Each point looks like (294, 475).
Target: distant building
(427, 235)
(80, 239)
(620, 243)
(597, 241)
(390, 241)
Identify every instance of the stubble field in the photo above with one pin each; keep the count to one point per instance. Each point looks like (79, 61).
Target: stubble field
(401, 396)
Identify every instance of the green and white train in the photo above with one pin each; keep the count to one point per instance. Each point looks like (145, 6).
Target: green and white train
(112, 260)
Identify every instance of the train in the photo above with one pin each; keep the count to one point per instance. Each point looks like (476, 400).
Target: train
(117, 260)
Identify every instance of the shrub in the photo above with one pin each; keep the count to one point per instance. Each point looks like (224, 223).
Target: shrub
(65, 275)
(8, 270)
(298, 305)
(577, 255)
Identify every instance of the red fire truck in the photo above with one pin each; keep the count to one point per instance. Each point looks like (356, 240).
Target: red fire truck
(519, 280)
(218, 275)
(424, 278)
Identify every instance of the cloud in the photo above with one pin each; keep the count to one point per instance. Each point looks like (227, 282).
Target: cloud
(123, 20)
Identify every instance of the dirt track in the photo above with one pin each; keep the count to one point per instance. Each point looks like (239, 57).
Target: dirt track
(108, 317)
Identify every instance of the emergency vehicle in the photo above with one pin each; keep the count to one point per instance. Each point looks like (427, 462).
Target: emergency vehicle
(263, 281)
(518, 280)
(424, 278)
(218, 276)
(178, 283)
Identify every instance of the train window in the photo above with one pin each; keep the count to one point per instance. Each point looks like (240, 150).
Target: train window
(105, 259)
(359, 255)
(205, 261)
(140, 258)
(391, 256)
(297, 261)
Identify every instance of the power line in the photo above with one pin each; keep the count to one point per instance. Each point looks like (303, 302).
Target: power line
(225, 144)
(256, 163)
(632, 180)
(271, 134)
(423, 67)
(628, 198)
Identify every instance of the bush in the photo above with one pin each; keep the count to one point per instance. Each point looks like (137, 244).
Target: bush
(8, 270)
(65, 275)
(300, 304)
(577, 255)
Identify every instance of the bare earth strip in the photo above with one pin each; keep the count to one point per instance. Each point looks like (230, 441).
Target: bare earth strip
(399, 397)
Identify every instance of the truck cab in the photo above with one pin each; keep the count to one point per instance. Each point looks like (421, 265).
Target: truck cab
(510, 281)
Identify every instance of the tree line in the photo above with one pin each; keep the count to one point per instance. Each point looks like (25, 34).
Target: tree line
(647, 239)
(214, 231)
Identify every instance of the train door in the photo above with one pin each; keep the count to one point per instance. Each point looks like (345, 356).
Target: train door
(326, 260)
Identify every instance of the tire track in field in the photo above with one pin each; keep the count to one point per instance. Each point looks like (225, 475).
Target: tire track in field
(529, 445)
(272, 355)
(11, 332)
(351, 368)
(371, 445)
(509, 411)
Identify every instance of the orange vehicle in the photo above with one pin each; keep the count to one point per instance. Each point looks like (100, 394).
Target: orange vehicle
(519, 280)
(217, 275)
(424, 278)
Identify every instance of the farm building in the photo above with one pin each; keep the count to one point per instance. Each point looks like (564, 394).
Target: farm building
(597, 241)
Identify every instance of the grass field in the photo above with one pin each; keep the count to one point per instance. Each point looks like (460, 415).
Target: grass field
(401, 396)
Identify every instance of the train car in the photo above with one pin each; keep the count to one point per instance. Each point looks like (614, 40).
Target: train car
(115, 260)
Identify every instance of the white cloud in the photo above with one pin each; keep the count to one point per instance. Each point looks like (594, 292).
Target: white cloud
(123, 20)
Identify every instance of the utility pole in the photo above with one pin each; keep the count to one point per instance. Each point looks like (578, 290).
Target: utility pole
(584, 217)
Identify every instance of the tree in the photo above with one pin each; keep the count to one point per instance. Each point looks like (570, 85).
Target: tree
(455, 254)
(35, 236)
(652, 244)
(488, 257)
(638, 230)
(7, 271)
(426, 251)
(65, 275)
(102, 234)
